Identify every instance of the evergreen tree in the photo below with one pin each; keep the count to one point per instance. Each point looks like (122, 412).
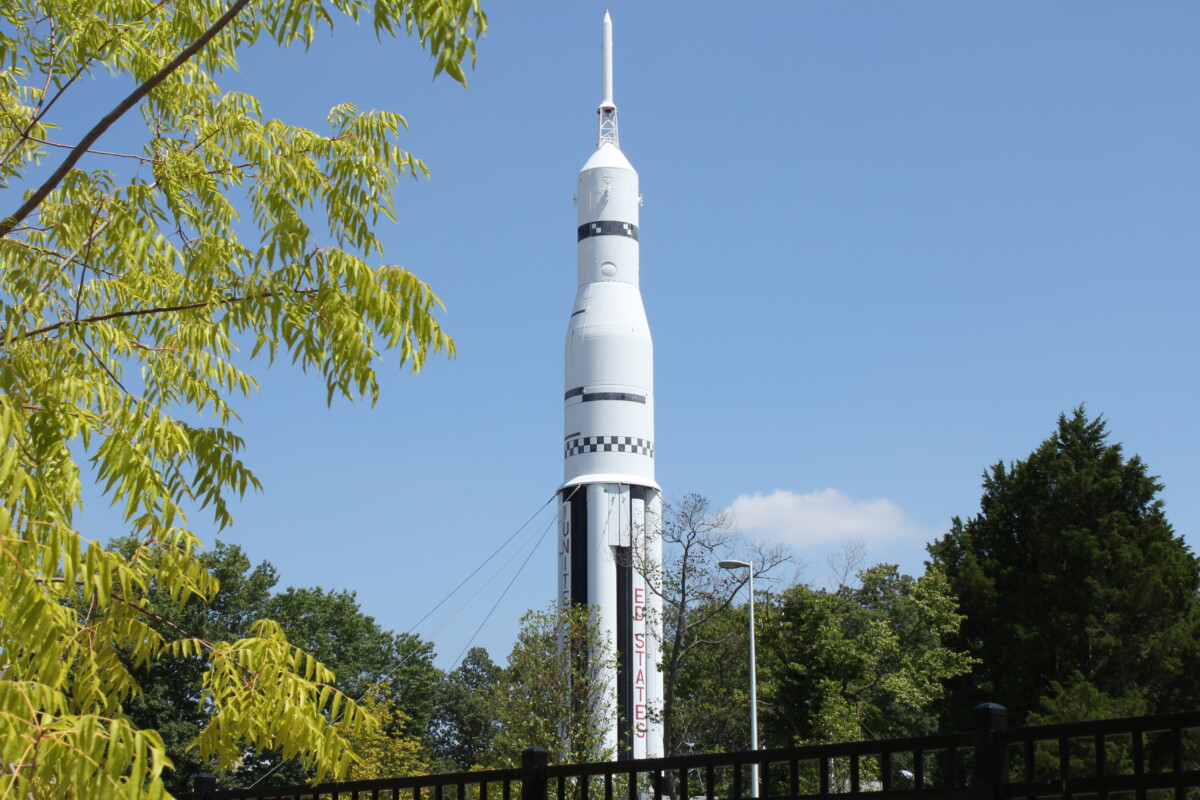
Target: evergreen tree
(1071, 576)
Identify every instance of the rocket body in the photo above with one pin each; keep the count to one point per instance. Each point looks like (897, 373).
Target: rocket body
(610, 507)
(609, 395)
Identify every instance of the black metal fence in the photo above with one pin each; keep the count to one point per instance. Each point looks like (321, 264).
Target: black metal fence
(1135, 758)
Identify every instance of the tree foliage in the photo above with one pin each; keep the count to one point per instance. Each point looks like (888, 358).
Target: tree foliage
(863, 661)
(859, 662)
(1073, 583)
(391, 750)
(393, 673)
(553, 694)
(695, 591)
(710, 694)
(127, 282)
(169, 698)
(396, 667)
(465, 722)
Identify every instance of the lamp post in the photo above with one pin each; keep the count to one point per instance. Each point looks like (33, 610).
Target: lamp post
(749, 567)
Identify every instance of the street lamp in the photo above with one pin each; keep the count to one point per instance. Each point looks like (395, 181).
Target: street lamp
(749, 567)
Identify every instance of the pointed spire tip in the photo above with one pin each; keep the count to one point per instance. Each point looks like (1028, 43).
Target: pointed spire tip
(608, 107)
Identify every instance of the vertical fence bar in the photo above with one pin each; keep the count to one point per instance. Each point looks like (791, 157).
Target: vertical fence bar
(1139, 763)
(1177, 760)
(204, 785)
(1030, 767)
(1064, 764)
(919, 769)
(990, 742)
(885, 770)
(533, 773)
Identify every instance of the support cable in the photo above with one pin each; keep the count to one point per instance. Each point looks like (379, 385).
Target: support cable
(496, 605)
(403, 661)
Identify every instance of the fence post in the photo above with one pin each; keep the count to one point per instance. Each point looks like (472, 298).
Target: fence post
(533, 773)
(204, 786)
(989, 723)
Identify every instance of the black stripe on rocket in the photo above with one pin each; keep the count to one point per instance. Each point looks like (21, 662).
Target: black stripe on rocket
(608, 227)
(588, 397)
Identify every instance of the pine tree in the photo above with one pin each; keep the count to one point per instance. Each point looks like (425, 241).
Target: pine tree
(1071, 573)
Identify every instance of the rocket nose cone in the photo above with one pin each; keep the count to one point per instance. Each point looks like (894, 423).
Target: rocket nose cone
(608, 155)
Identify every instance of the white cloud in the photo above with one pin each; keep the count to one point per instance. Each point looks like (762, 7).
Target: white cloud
(823, 516)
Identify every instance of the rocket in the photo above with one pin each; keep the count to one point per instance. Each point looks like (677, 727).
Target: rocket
(610, 507)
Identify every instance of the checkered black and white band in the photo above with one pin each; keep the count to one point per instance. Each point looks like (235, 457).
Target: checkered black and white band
(608, 444)
(608, 227)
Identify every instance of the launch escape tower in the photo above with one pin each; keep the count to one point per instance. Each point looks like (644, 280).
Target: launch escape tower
(610, 507)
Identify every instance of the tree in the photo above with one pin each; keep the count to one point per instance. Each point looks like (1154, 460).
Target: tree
(862, 662)
(171, 687)
(393, 674)
(389, 751)
(695, 591)
(464, 720)
(127, 281)
(332, 627)
(711, 690)
(553, 694)
(1072, 581)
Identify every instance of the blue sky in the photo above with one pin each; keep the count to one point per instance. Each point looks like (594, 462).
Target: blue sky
(883, 246)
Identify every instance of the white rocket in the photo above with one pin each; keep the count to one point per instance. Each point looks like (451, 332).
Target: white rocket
(610, 508)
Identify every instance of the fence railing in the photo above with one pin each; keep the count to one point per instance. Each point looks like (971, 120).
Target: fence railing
(1135, 758)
